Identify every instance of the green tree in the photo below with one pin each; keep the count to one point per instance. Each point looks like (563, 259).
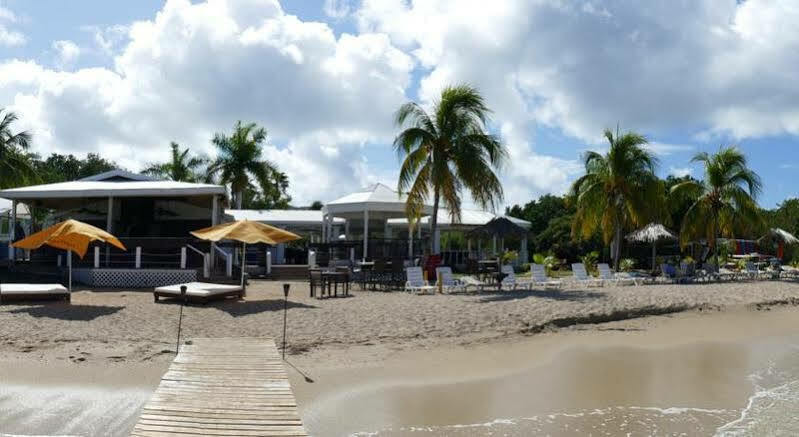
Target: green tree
(317, 205)
(61, 168)
(618, 192)
(240, 157)
(181, 166)
(724, 202)
(16, 165)
(447, 152)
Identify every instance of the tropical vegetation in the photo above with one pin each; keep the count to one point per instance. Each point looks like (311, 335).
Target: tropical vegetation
(447, 151)
(240, 160)
(618, 192)
(181, 167)
(724, 203)
(16, 167)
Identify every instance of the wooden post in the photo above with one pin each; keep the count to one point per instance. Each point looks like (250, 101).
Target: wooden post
(268, 262)
(206, 265)
(183, 257)
(138, 257)
(96, 257)
(109, 227)
(365, 234)
(12, 231)
(214, 219)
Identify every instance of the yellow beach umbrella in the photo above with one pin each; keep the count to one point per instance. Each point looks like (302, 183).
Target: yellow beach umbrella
(70, 235)
(247, 232)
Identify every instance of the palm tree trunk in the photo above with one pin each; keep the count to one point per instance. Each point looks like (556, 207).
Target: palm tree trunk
(434, 221)
(239, 195)
(716, 239)
(617, 245)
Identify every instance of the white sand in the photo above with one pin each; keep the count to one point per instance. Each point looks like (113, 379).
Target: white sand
(115, 326)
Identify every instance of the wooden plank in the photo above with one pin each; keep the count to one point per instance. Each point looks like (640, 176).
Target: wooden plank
(223, 387)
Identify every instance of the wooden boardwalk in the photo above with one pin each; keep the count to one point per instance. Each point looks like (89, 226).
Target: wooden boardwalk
(223, 387)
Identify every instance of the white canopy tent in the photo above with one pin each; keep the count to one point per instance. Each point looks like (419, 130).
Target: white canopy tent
(375, 204)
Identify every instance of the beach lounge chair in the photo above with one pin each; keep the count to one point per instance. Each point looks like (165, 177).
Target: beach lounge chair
(668, 272)
(22, 292)
(582, 277)
(751, 271)
(511, 281)
(448, 282)
(540, 278)
(472, 282)
(789, 272)
(199, 292)
(415, 283)
(607, 275)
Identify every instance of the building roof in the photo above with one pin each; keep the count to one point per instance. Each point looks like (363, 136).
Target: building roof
(377, 198)
(469, 218)
(84, 188)
(118, 175)
(295, 217)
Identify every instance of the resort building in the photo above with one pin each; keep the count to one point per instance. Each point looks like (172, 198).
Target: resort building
(153, 219)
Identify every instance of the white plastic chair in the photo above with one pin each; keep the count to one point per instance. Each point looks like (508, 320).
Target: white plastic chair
(606, 274)
(510, 280)
(540, 278)
(415, 282)
(582, 277)
(448, 282)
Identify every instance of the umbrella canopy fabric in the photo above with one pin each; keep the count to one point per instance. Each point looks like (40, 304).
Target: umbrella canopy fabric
(500, 226)
(781, 235)
(70, 235)
(651, 233)
(247, 232)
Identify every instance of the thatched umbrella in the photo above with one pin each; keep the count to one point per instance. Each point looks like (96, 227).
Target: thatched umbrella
(652, 233)
(781, 236)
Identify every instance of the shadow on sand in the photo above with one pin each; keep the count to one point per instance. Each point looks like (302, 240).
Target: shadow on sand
(569, 295)
(245, 308)
(68, 312)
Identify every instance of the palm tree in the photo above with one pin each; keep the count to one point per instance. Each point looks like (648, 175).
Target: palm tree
(618, 191)
(724, 202)
(16, 166)
(239, 157)
(181, 167)
(446, 153)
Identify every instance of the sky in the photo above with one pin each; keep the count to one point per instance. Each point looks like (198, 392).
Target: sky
(324, 77)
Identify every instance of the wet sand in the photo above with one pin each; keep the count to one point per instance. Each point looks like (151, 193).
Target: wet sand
(678, 375)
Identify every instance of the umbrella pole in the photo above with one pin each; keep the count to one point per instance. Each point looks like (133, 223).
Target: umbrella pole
(69, 261)
(243, 263)
(654, 255)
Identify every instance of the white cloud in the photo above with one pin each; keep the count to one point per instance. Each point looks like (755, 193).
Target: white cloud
(9, 37)
(67, 52)
(719, 67)
(665, 149)
(337, 8)
(196, 68)
(680, 171)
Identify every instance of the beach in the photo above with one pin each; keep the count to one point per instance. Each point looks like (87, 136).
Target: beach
(400, 364)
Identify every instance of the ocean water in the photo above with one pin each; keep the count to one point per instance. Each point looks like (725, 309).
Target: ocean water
(771, 409)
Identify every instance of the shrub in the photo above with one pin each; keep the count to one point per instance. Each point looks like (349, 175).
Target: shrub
(627, 264)
(509, 256)
(590, 260)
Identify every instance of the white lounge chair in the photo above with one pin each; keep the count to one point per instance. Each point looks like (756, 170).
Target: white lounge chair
(10, 292)
(751, 271)
(202, 292)
(540, 278)
(607, 275)
(415, 282)
(582, 277)
(471, 281)
(511, 281)
(448, 282)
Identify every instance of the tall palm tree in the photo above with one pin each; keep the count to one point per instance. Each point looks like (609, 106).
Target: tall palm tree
(16, 166)
(619, 191)
(447, 152)
(239, 157)
(181, 166)
(724, 202)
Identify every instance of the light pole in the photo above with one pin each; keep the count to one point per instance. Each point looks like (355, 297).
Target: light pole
(180, 317)
(285, 312)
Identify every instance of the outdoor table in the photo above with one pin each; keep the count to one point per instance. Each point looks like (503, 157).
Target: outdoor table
(335, 278)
